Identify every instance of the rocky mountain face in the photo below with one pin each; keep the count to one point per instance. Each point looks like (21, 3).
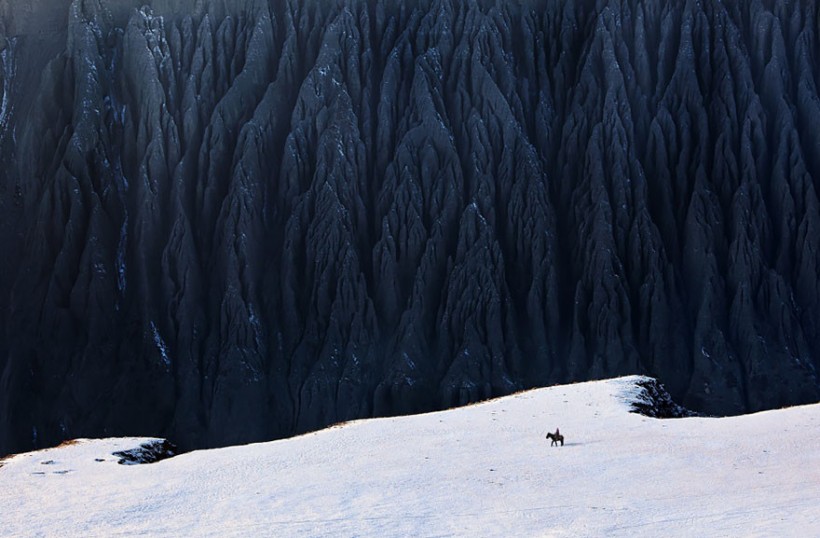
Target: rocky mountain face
(226, 221)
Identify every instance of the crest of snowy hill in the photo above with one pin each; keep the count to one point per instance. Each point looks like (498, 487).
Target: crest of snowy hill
(481, 470)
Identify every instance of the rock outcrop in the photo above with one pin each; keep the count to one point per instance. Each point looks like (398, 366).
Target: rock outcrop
(653, 400)
(227, 221)
(148, 452)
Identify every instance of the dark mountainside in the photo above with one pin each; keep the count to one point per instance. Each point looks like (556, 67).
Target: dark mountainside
(227, 221)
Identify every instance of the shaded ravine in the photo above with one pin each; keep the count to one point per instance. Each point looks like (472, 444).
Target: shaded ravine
(233, 221)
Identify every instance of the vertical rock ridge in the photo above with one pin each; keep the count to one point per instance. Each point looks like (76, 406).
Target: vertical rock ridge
(233, 221)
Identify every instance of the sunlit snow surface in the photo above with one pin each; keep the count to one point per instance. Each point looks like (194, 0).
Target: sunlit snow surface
(484, 470)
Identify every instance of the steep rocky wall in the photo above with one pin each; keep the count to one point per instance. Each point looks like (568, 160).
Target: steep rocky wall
(232, 221)
(33, 17)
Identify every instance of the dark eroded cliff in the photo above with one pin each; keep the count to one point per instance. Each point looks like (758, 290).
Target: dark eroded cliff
(224, 221)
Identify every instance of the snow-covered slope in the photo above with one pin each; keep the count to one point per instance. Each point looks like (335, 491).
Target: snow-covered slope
(484, 470)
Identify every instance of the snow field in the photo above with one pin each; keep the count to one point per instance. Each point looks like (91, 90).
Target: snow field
(482, 470)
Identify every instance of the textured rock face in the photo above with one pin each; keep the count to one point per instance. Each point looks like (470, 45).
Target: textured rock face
(654, 401)
(227, 221)
(149, 452)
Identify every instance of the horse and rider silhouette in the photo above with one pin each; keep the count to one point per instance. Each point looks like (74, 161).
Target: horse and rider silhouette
(556, 438)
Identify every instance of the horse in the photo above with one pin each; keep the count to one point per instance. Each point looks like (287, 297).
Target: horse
(556, 438)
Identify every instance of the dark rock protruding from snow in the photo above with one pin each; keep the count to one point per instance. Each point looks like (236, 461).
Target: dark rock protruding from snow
(231, 221)
(150, 452)
(654, 401)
